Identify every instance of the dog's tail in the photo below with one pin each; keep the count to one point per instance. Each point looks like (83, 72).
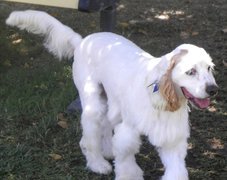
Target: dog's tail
(60, 40)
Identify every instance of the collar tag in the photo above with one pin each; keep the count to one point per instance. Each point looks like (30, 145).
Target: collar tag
(155, 87)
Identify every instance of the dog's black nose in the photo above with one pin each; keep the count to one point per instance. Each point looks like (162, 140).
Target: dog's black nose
(211, 90)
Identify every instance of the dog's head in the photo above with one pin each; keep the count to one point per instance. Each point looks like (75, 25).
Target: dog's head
(189, 76)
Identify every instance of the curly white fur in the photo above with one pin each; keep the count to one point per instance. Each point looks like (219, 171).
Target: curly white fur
(115, 80)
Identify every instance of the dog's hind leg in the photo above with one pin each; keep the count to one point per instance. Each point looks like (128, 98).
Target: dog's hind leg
(93, 115)
(113, 118)
(107, 135)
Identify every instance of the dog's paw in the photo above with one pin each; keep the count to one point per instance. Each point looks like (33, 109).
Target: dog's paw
(126, 177)
(170, 178)
(130, 172)
(100, 167)
(177, 176)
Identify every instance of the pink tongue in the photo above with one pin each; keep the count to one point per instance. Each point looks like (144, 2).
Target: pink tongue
(201, 103)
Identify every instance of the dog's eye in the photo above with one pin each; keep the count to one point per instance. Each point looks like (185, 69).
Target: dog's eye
(191, 72)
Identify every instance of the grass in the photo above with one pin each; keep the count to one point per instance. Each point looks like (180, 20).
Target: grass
(35, 90)
(34, 94)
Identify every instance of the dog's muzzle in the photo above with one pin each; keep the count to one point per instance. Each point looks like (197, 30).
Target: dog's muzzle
(200, 103)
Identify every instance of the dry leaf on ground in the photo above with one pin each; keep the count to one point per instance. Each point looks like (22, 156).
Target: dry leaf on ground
(63, 124)
(225, 63)
(55, 156)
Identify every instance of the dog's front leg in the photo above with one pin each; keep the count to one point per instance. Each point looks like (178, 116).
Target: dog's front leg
(126, 143)
(172, 157)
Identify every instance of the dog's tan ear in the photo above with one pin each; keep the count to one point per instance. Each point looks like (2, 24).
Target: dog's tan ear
(166, 85)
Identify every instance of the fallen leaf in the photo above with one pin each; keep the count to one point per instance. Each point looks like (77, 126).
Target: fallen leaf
(224, 30)
(120, 7)
(195, 33)
(62, 121)
(63, 124)
(124, 24)
(212, 109)
(162, 17)
(61, 117)
(55, 156)
(216, 143)
(17, 41)
(190, 146)
(225, 63)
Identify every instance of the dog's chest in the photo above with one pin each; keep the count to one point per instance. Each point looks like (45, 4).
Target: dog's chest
(165, 127)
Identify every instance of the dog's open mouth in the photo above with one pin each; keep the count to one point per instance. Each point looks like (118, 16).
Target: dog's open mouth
(200, 103)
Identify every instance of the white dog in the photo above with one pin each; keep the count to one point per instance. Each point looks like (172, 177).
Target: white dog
(125, 93)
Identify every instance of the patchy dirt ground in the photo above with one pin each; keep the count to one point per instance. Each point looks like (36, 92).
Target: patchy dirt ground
(157, 26)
